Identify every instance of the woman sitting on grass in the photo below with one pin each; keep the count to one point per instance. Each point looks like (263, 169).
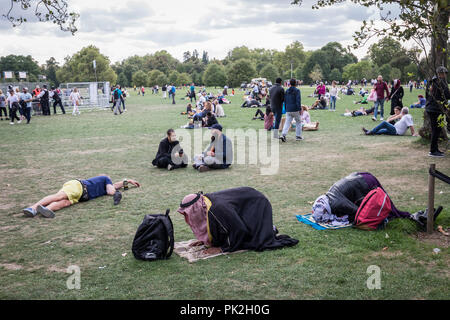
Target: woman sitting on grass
(267, 117)
(306, 120)
(232, 220)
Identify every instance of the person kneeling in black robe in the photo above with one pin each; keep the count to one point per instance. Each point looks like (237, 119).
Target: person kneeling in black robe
(231, 220)
(170, 155)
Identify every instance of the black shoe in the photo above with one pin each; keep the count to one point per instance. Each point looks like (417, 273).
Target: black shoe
(436, 154)
(366, 132)
(283, 138)
(117, 197)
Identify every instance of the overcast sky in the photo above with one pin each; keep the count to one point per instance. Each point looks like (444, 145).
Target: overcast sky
(122, 28)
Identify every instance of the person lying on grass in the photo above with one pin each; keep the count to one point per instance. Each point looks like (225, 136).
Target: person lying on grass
(75, 191)
(399, 129)
(342, 201)
(360, 112)
(231, 220)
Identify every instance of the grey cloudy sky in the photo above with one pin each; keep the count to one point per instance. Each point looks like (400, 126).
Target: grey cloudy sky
(122, 28)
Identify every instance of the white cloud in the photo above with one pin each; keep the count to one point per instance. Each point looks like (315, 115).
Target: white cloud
(122, 28)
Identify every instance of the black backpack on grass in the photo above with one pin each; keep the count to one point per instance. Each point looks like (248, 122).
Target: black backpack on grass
(154, 238)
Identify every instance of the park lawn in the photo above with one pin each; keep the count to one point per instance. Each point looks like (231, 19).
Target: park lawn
(35, 253)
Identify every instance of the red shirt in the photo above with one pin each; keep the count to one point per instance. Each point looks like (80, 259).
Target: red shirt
(380, 88)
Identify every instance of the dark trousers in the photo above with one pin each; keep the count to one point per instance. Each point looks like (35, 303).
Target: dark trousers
(193, 96)
(45, 107)
(58, 102)
(278, 114)
(122, 101)
(3, 109)
(13, 114)
(259, 113)
(27, 114)
(173, 98)
(163, 162)
(435, 131)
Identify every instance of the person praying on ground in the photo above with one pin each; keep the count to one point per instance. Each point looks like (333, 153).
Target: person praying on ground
(231, 220)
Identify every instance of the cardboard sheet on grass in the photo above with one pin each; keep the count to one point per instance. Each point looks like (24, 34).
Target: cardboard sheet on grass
(309, 220)
(194, 254)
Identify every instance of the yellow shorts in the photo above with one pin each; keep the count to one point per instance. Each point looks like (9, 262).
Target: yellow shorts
(73, 189)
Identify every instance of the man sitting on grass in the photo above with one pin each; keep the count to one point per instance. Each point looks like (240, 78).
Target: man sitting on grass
(170, 156)
(218, 155)
(75, 191)
(399, 129)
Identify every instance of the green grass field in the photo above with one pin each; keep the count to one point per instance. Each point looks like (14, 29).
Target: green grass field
(36, 159)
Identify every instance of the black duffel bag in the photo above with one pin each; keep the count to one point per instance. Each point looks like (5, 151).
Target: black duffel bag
(154, 238)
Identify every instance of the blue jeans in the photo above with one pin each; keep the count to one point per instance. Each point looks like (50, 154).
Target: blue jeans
(379, 102)
(384, 128)
(416, 106)
(333, 103)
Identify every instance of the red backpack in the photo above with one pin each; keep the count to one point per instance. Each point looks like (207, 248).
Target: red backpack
(375, 207)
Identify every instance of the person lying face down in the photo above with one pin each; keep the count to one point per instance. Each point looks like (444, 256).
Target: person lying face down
(231, 220)
(345, 196)
(75, 191)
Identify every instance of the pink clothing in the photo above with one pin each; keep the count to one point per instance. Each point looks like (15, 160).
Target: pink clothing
(195, 217)
(268, 121)
(321, 89)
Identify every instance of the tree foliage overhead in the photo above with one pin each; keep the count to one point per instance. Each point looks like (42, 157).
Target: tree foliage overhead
(56, 11)
(79, 67)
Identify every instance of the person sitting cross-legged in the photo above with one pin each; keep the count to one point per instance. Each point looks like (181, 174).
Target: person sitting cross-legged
(218, 155)
(399, 129)
(170, 156)
(75, 191)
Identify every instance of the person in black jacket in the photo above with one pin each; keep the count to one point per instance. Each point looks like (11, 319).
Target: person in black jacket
(396, 96)
(276, 93)
(56, 100)
(170, 156)
(437, 94)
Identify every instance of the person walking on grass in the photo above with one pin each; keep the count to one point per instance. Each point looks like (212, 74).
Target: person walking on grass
(75, 99)
(292, 100)
(173, 90)
(26, 99)
(55, 94)
(276, 94)
(117, 94)
(3, 106)
(380, 88)
(13, 101)
(75, 191)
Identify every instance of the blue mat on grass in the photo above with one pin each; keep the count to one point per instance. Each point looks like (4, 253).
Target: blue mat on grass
(309, 220)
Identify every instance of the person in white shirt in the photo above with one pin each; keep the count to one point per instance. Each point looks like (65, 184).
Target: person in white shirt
(13, 101)
(75, 99)
(399, 129)
(333, 96)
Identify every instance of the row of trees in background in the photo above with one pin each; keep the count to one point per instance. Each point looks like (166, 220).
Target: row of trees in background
(331, 62)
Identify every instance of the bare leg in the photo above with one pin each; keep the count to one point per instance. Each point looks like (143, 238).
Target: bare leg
(50, 199)
(55, 206)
